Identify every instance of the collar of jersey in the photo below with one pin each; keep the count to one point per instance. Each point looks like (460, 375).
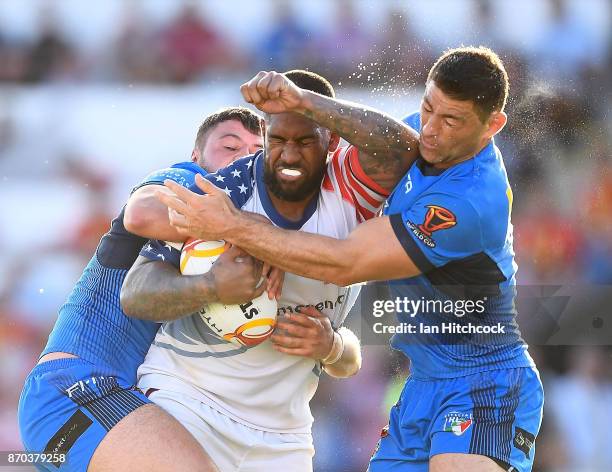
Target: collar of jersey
(428, 170)
(278, 219)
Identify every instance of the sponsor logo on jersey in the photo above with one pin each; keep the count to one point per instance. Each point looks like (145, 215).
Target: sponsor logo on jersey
(322, 305)
(457, 423)
(436, 219)
(523, 440)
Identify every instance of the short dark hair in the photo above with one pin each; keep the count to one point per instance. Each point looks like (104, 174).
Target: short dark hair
(307, 80)
(472, 73)
(249, 119)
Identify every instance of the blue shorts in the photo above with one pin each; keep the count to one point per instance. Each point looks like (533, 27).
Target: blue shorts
(496, 414)
(68, 405)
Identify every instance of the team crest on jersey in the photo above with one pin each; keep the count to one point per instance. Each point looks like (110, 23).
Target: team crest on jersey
(457, 423)
(436, 219)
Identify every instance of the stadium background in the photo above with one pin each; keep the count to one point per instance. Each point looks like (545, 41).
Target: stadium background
(95, 95)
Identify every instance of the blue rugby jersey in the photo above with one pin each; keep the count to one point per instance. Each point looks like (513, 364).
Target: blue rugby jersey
(91, 324)
(455, 225)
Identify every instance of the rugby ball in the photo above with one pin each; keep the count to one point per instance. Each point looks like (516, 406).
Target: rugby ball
(247, 324)
(198, 256)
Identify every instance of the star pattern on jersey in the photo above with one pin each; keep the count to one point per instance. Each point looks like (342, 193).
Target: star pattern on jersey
(237, 182)
(236, 179)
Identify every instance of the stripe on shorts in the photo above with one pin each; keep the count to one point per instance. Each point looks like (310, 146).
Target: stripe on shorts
(493, 422)
(107, 402)
(483, 435)
(112, 408)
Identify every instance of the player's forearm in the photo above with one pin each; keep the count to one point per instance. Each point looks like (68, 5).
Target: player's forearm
(371, 251)
(387, 146)
(156, 291)
(313, 256)
(147, 217)
(350, 361)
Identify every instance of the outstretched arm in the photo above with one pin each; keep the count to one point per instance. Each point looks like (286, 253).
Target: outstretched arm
(387, 147)
(372, 251)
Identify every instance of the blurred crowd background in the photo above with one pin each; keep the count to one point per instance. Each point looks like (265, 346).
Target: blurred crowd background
(94, 95)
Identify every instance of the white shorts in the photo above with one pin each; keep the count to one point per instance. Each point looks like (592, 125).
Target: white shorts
(235, 447)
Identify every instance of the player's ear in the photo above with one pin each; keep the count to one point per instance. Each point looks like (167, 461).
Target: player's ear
(497, 121)
(194, 155)
(334, 142)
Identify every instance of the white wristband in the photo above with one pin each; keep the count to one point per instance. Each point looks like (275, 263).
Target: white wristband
(336, 351)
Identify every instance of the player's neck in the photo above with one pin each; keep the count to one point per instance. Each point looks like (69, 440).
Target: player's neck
(459, 160)
(454, 162)
(292, 211)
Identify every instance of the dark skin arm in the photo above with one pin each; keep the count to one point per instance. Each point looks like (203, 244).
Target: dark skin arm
(370, 252)
(309, 333)
(387, 147)
(157, 291)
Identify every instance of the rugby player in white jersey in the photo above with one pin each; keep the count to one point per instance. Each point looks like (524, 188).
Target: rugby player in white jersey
(249, 408)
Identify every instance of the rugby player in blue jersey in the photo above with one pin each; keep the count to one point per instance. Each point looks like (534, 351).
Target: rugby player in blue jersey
(80, 399)
(473, 401)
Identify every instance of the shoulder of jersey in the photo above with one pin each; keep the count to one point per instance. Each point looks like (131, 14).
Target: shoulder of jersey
(413, 120)
(189, 166)
(182, 173)
(238, 179)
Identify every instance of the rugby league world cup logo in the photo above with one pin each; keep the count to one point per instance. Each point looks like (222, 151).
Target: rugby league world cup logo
(437, 218)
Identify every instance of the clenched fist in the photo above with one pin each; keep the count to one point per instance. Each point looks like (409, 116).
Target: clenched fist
(272, 92)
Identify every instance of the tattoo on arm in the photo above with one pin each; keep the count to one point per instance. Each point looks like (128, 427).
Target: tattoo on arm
(387, 147)
(156, 291)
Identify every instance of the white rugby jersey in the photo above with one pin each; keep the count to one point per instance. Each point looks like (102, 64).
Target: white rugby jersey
(258, 386)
